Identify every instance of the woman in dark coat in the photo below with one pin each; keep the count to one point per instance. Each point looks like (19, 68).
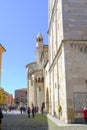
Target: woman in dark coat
(1, 116)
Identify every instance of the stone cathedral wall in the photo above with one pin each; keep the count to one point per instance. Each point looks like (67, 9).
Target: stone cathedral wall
(76, 76)
(74, 19)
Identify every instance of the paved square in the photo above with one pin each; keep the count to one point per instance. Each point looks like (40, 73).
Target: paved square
(40, 122)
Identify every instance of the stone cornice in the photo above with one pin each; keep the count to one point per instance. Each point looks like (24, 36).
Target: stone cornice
(36, 71)
(2, 49)
(30, 64)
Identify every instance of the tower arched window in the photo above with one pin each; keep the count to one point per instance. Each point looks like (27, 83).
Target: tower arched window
(38, 80)
(42, 79)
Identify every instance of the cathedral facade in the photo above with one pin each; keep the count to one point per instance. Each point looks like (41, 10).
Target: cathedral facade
(67, 59)
(58, 77)
(35, 74)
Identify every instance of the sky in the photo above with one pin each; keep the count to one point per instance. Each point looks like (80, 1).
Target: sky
(20, 22)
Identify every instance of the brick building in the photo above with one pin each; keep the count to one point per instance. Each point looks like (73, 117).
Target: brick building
(21, 96)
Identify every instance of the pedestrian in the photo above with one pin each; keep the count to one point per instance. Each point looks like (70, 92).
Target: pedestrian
(1, 116)
(42, 110)
(84, 114)
(36, 109)
(21, 110)
(28, 112)
(33, 111)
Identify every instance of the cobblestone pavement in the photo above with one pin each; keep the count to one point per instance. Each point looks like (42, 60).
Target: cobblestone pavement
(40, 122)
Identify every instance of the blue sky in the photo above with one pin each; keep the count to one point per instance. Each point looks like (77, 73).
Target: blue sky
(20, 22)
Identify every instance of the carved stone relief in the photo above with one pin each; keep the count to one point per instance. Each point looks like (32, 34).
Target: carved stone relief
(80, 100)
(81, 46)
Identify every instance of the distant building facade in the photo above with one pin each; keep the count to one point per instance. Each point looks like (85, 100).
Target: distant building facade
(10, 99)
(5, 98)
(21, 96)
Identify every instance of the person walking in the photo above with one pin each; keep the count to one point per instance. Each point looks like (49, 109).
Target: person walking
(1, 116)
(41, 109)
(28, 112)
(21, 110)
(33, 111)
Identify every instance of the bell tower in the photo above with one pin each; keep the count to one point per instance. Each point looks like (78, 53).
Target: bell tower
(39, 48)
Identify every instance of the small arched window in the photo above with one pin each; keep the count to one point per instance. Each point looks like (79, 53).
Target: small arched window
(42, 79)
(39, 89)
(35, 80)
(38, 79)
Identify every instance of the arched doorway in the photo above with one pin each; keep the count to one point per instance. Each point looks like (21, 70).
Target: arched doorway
(47, 101)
